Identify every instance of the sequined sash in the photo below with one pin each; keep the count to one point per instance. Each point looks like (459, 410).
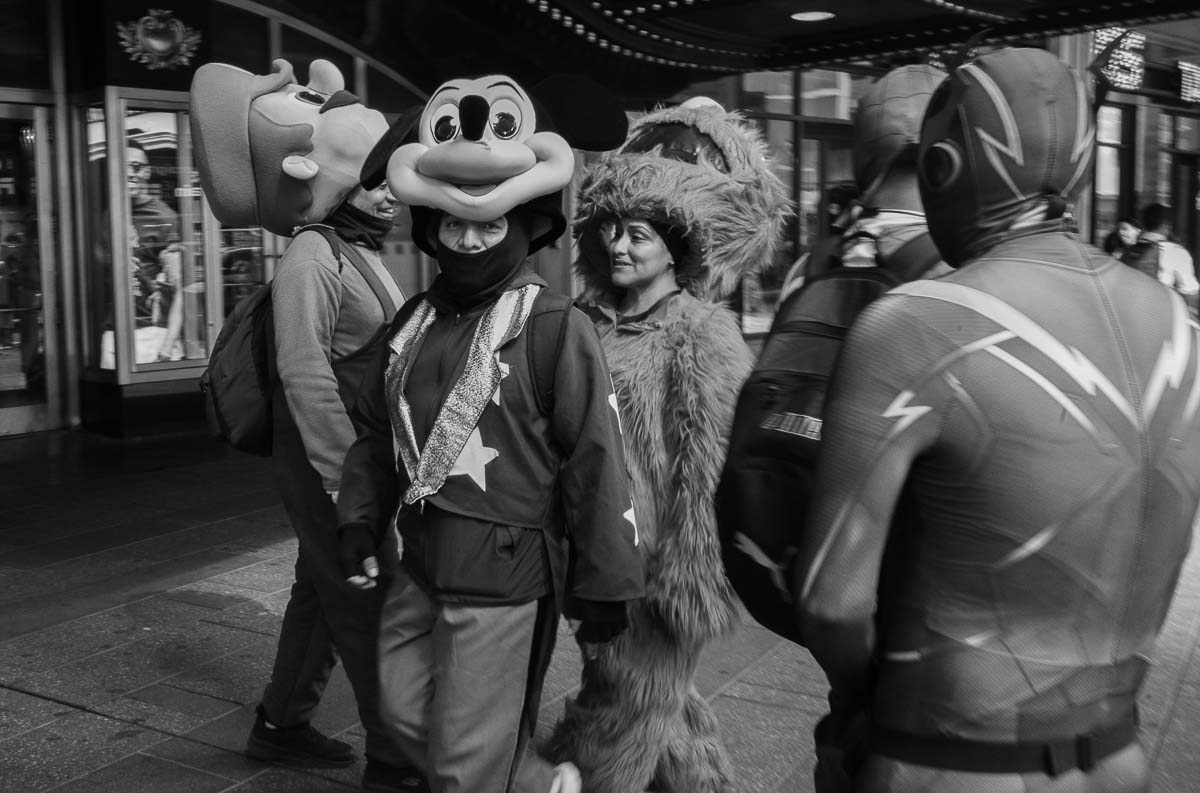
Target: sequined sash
(427, 469)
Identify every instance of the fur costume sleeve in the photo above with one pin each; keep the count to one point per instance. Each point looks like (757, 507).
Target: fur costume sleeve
(709, 362)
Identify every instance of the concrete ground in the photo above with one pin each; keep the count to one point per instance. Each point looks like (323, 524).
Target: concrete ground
(141, 589)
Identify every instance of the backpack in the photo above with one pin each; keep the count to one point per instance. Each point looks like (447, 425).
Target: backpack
(1143, 255)
(768, 475)
(240, 380)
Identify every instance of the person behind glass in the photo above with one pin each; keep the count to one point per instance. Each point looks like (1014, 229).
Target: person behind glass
(1123, 237)
(157, 257)
(1040, 404)
(325, 311)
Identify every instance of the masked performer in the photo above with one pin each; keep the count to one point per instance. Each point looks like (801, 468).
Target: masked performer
(667, 226)
(488, 429)
(275, 153)
(1040, 402)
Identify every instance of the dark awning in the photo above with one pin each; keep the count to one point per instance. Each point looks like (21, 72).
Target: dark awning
(647, 50)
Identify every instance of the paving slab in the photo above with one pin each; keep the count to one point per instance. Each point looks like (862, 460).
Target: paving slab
(764, 731)
(20, 712)
(140, 773)
(56, 753)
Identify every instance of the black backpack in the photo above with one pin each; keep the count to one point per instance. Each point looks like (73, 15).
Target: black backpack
(768, 476)
(240, 379)
(1142, 255)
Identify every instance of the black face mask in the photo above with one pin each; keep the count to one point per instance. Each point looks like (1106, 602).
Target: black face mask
(468, 280)
(356, 226)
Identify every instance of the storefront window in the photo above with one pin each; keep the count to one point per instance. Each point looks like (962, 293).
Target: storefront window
(1187, 133)
(830, 94)
(243, 265)
(1108, 190)
(760, 290)
(768, 92)
(98, 279)
(161, 245)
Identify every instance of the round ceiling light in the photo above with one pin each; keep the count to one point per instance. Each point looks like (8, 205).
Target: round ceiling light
(813, 16)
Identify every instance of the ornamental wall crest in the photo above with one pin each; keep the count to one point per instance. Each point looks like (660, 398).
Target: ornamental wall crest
(158, 40)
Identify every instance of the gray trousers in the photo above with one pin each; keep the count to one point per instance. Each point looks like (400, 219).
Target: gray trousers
(453, 682)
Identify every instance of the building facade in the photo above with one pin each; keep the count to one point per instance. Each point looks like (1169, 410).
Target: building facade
(115, 277)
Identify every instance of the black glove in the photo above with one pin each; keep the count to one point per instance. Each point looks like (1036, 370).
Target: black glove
(356, 545)
(601, 622)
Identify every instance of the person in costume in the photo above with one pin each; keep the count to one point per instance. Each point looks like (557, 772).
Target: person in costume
(282, 155)
(1040, 404)
(666, 228)
(488, 432)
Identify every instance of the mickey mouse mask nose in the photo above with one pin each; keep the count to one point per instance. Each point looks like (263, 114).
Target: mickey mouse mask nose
(473, 115)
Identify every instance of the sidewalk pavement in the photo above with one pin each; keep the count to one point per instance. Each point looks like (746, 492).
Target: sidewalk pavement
(141, 590)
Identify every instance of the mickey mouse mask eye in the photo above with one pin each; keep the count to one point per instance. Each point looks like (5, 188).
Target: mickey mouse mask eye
(505, 119)
(444, 123)
(310, 97)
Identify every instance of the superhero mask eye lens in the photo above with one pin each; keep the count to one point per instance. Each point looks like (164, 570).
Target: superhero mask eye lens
(310, 97)
(941, 165)
(445, 123)
(505, 119)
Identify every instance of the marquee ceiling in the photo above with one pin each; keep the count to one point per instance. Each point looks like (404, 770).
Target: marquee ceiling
(649, 49)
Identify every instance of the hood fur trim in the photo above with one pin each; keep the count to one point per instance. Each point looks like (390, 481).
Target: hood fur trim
(732, 221)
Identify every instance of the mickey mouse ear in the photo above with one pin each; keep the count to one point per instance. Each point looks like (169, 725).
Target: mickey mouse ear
(374, 170)
(585, 113)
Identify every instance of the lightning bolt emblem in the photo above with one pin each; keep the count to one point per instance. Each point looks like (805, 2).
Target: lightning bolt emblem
(1172, 360)
(992, 147)
(901, 409)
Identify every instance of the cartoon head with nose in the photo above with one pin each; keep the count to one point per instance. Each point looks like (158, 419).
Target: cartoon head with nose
(482, 147)
(273, 152)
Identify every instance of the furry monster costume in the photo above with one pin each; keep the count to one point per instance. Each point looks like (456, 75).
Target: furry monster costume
(638, 718)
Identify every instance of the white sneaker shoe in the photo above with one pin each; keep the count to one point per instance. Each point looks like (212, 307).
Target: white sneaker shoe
(566, 779)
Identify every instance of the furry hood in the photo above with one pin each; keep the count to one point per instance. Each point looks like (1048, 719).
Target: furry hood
(704, 171)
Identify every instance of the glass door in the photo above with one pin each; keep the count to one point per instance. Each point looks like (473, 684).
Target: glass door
(29, 363)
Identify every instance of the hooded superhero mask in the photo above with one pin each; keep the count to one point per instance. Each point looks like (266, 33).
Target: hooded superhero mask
(274, 153)
(705, 174)
(1007, 142)
(486, 146)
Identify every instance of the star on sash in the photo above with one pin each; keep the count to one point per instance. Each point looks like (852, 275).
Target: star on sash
(473, 459)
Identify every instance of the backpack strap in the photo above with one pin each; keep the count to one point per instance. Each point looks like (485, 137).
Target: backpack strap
(544, 345)
(340, 246)
(913, 258)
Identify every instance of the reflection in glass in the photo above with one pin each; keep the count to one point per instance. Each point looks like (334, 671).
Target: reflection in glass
(1108, 188)
(22, 345)
(98, 276)
(760, 290)
(1108, 124)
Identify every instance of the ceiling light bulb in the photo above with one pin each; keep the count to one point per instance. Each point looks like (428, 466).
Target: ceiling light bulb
(813, 16)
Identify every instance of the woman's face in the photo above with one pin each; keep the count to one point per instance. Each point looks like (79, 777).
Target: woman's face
(379, 202)
(1128, 233)
(637, 253)
(468, 236)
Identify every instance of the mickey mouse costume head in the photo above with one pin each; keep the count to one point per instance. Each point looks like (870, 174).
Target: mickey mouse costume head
(485, 146)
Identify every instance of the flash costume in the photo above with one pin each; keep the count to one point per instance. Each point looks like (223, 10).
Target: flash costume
(1040, 404)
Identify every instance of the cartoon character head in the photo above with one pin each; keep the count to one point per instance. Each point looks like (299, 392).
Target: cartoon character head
(705, 173)
(1007, 141)
(274, 153)
(887, 126)
(486, 146)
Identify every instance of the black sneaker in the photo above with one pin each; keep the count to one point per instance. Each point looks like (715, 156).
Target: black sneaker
(300, 746)
(383, 778)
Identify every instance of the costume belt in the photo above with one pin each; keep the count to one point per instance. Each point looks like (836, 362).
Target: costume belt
(986, 757)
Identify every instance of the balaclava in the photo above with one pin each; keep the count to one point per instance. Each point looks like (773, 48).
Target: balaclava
(1007, 142)
(468, 280)
(358, 227)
